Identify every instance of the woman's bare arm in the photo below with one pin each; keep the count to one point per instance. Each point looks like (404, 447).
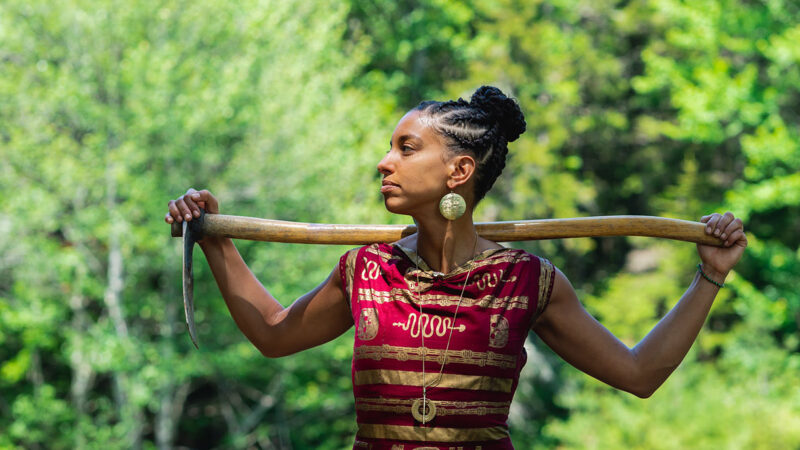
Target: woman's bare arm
(583, 342)
(315, 318)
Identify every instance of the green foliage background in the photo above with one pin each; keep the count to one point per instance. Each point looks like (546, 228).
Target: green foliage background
(109, 108)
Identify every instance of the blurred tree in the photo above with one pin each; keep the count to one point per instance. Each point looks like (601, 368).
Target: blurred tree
(666, 108)
(111, 108)
(414, 46)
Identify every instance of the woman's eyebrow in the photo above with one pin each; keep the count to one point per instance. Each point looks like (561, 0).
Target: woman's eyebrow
(406, 137)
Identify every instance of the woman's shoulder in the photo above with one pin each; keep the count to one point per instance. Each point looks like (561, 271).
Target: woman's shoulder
(516, 254)
(523, 261)
(539, 273)
(380, 250)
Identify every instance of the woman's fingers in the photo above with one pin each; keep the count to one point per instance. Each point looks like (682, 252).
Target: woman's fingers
(717, 224)
(726, 226)
(203, 199)
(187, 206)
(723, 223)
(711, 222)
(174, 212)
(731, 231)
(184, 206)
(727, 233)
(191, 199)
(207, 201)
(737, 237)
(734, 233)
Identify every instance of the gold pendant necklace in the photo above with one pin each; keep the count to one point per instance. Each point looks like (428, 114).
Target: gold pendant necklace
(422, 409)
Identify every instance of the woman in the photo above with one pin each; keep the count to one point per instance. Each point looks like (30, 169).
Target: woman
(441, 316)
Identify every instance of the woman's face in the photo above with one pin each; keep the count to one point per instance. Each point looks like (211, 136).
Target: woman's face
(416, 168)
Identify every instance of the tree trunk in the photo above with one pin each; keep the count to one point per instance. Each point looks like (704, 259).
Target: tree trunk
(171, 399)
(113, 300)
(82, 372)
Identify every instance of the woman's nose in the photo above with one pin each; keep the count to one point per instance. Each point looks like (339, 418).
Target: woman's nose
(385, 164)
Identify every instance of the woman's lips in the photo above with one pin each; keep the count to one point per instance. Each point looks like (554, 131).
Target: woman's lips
(388, 187)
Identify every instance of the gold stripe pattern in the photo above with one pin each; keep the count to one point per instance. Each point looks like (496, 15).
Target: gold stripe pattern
(432, 434)
(402, 295)
(447, 380)
(546, 272)
(482, 359)
(443, 408)
(513, 258)
(383, 255)
(349, 270)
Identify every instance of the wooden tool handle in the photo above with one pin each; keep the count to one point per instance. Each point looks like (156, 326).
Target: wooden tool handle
(251, 228)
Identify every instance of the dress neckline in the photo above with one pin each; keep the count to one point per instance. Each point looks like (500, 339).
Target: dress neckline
(423, 267)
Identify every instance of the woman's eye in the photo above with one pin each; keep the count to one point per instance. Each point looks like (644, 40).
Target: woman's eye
(407, 148)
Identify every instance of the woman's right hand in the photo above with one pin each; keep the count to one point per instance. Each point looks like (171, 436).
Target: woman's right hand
(187, 206)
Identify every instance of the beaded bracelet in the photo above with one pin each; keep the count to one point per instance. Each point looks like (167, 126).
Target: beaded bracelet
(703, 274)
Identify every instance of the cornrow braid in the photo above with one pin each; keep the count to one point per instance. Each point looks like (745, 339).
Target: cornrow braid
(483, 127)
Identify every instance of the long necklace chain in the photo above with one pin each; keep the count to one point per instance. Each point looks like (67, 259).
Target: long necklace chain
(429, 411)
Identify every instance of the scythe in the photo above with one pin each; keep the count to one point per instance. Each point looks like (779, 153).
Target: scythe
(251, 228)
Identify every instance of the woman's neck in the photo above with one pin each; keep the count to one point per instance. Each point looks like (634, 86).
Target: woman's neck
(446, 244)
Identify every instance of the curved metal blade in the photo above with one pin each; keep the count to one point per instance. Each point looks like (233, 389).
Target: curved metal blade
(188, 281)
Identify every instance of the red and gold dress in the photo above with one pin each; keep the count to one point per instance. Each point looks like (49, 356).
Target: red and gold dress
(469, 397)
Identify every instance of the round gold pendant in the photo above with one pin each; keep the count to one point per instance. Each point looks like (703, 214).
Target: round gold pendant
(423, 411)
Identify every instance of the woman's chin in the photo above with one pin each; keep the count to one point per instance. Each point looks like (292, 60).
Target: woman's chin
(395, 207)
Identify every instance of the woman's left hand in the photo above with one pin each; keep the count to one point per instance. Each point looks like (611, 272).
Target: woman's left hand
(722, 259)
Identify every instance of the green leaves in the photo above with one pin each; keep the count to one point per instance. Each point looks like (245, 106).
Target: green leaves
(108, 109)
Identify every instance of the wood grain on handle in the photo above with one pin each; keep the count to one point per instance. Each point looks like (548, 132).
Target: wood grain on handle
(251, 228)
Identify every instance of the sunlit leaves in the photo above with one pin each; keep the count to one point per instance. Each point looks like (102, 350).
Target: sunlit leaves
(110, 108)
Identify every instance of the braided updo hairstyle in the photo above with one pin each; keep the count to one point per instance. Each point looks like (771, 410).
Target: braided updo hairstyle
(482, 127)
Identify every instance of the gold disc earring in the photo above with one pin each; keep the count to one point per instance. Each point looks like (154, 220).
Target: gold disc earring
(452, 206)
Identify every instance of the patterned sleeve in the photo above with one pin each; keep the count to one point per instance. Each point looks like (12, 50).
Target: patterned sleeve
(546, 280)
(347, 267)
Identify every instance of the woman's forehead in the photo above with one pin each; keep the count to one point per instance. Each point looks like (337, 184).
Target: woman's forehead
(414, 124)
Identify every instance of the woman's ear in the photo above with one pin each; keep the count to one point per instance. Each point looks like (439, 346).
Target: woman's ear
(462, 167)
